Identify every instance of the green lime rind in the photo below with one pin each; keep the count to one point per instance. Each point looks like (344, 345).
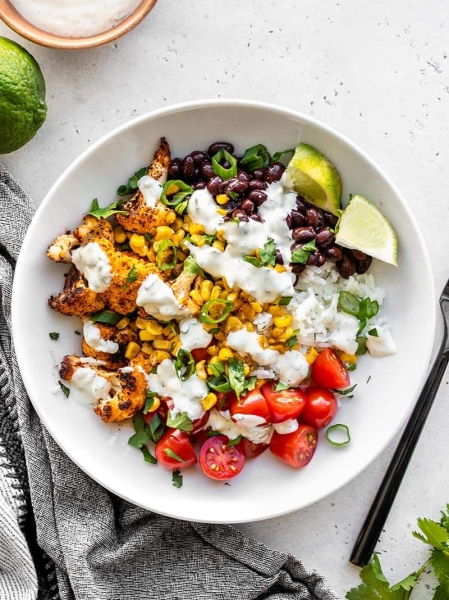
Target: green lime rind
(314, 177)
(22, 96)
(362, 226)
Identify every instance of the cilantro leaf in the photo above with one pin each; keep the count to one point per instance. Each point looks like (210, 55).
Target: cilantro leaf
(347, 391)
(149, 401)
(191, 267)
(445, 518)
(235, 441)
(148, 457)
(182, 421)
(406, 584)
(301, 254)
(54, 335)
(156, 428)
(285, 300)
(293, 340)
(131, 186)
(169, 452)
(433, 534)
(65, 389)
(375, 586)
(236, 376)
(139, 439)
(280, 386)
(268, 253)
(253, 260)
(250, 384)
(440, 564)
(176, 478)
(103, 213)
(133, 275)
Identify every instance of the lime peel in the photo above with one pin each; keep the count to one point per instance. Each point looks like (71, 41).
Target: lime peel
(362, 226)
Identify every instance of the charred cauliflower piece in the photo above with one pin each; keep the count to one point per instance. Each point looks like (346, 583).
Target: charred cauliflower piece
(118, 394)
(59, 249)
(109, 333)
(181, 287)
(92, 228)
(76, 298)
(141, 218)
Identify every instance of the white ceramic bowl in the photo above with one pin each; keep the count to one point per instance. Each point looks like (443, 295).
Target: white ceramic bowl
(266, 488)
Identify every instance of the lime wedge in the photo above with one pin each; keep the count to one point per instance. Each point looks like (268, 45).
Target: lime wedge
(315, 177)
(363, 227)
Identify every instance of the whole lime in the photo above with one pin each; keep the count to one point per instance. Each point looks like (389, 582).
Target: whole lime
(22, 96)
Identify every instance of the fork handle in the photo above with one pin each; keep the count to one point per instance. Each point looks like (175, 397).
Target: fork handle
(380, 508)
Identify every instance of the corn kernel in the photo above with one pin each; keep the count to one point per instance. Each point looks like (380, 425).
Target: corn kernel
(219, 336)
(170, 218)
(209, 401)
(232, 297)
(145, 336)
(232, 324)
(214, 360)
(246, 369)
(181, 255)
(172, 189)
(348, 358)
(123, 323)
(248, 311)
(197, 228)
(177, 224)
(250, 326)
(206, 289)
(198, 240)
(147, 348)
(160, 355)
(280, 268)
(119, 235)
(151, 255)
(177, 347)
(220, 233)
(276, 332)
(226, 286)
(263, 342)
(221, 199)
(200, 370)
(163, 233)
(286, 335)
(141, 323)
(161, 344)
(132, 350)
(178, 237)
(284, 321)
(212, 350)
(222, 212)
(215, 293)
(224, 296)
(278, 348)
(155, 405)
(257, 307)
(153, 327)
(140, 250)
(218, 245)
(311, 355)
(276, 311)
(225, 354)
(137, 240)
(195, 294)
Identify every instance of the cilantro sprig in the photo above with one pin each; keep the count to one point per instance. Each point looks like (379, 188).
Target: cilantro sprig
(375, 585)
(267, 255)
(115, 208)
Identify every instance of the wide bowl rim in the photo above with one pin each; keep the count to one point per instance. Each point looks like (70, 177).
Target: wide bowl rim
(236, 103)
(13, 19)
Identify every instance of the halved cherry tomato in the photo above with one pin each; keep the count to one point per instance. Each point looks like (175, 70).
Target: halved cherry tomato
(321, 407)
(285, 404)
(254, 404)
(198, 424)
(177, 442)
(200, 354)
(219, 460)
(328, 371)
(224, 400)
(251, 449)
(296, 448)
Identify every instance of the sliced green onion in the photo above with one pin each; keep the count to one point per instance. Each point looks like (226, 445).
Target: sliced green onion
(349, 303)
(278, 155)
(362, 326)
(169, 452)
(301, 254)
(368, 308)
(256, 157)
(65, 389)
(347, 391)
(235, 441)
(253, 260)
(131, 186)
(184, 365)
(219, 384)
(204, 316)
(148, 457)
(179, 196)
(285, 300)
(109, 317)
(338, 428)
(361, 345)
(373, 333)
(165, 266)
(221, 171)
(177, 478)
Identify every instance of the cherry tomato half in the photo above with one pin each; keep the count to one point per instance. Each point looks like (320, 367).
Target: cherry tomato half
(200, 354)
(328, 371)
(175, 442)
(219, 460)
(296, 448)
(254, 404)
(251, 449)
(285, 404)
(321, 407)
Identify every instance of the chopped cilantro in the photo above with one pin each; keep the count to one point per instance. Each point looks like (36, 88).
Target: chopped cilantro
(65, 389)
(177, 478)
(54, 335)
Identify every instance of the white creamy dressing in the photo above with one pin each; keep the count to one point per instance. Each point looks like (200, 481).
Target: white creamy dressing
(93, 338)
(151, 190)
(344, 331)
(193, 335)
(286, 426)
(93, 263)
(383, 345)
(87, 387)
(158, 300)
(186, 395)
(222, 422)
(75, 18)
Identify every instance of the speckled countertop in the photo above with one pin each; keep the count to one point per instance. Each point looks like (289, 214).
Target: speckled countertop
(375, 70)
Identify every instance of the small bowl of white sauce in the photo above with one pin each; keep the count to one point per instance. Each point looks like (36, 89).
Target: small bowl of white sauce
(73, 24)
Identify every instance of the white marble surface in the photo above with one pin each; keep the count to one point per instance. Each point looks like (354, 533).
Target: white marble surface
(375, 70)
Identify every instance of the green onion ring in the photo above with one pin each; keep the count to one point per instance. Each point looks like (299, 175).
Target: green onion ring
(162, 246)
(184, 365)
(338, 426)
(204, 313)
(184, 191)
(221, 171)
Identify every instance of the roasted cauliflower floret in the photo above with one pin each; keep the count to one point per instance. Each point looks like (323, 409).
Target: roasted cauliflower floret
(59, 249)
(76, 298)
(141, 218)
(92, 228)
(109, 333)
(117, 395)
(181, 287)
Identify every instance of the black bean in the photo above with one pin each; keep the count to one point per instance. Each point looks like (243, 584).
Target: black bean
(206, 170)
(362, 266)
(198, 156)
(333, 254)
(258, 173)
(278, 258)
(298, 219)
(357, 254)
(314, 217)
(313, 259)
(257, 184)
(199, 185)
(301, 204)
(321, 259)
(330, 220)
(324, 237)
(256, 217)
(345, 267)
(239, 214)
(217, 146)
(242, 176)
(225, 164)
(298, 268)
(214, 184)
(258, 197)
(303, 234)
(188, 168)
(236, 186)
(248, 206)
(274, 172)
(174, 170)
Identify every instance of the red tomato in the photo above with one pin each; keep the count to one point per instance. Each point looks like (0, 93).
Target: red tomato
(328, 371)
(251, 449)
(219, 460)
(320, 408)
(200, 354)
(224, 400)
(296, 448)
(177, 442)
(285, 404)
(253, 403)
(198, 424)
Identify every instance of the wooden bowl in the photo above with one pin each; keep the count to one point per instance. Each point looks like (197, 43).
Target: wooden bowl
(14, 20)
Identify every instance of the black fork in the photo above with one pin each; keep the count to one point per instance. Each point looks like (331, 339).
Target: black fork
(380, 508)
